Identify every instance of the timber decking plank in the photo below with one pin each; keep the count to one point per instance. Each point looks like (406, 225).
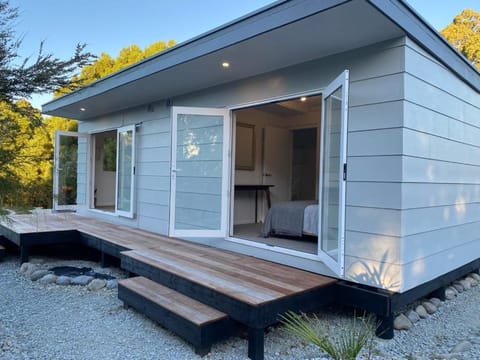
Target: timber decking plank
(184, 306)
(249, 293)
(240, 272)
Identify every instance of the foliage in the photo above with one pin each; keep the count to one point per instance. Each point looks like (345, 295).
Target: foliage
(26, 139)
(464, 34)
(346, 345)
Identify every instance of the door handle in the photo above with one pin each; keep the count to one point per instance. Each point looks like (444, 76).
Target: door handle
(267, 174)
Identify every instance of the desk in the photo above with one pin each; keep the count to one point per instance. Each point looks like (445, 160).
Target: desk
(256, 188)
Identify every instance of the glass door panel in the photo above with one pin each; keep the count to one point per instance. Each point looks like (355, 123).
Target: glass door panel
(332, 175)
(70, 170)
(199, 168)
(125, 171)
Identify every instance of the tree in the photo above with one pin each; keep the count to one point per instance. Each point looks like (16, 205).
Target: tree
(464, 34)
(20, 123)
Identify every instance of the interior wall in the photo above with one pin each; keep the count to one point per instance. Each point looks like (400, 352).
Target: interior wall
(104, 185)
(305, 179)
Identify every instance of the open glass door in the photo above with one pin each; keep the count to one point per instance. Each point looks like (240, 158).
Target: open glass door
(70, 170)
(331, 235)
(124, 204)
(199, 173)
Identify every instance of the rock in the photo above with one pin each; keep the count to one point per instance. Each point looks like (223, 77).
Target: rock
(28, 268)
(63, 280)
(450, 293)
(112, 284)
(436, 301)
(458, 287)
(402, 322)
(420, 310)
(462, 347)
(446, 356)
(48, 279)
(412, 316)
(472, 280)
(475, 276)
(81, 280)
(429, 307)
(96, 284)
(38, 274)
(466, 284)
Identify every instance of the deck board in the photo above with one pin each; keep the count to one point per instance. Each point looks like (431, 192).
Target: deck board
(248, 279)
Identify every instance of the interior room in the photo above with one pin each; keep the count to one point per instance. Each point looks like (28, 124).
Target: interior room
(105, 149)
(276, 173)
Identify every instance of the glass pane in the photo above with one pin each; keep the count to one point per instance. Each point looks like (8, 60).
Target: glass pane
(198, 201)
(125, 175)
(67, 170)
(331, 174)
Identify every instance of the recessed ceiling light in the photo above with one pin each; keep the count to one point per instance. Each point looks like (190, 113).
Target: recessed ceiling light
(225, 64)
(82, 109)
(303, 98)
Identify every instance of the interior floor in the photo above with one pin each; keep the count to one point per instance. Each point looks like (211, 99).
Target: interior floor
(106, 208)
(251, 232)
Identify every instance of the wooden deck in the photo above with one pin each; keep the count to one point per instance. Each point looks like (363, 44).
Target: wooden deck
(251, 291)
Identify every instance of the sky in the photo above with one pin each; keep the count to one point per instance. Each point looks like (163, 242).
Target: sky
(109, 25)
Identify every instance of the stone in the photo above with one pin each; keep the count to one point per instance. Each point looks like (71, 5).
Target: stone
(472, 280)
(48, 279)
(466, 284)
(96, 284)
(402, 322)
(420, 310)
(112, 284)
(475, 276)
(450, 293)
(462, 347)
(429, 307)
(38, 274)
(446, 356)
(63, 280)
(458, 287)
(81, 280)
(28, 268)
(436, 301)
(412, 316)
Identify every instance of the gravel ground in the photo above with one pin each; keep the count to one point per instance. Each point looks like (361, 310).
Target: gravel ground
(55, 322)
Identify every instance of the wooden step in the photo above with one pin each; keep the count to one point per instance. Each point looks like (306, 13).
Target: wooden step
(197, 323)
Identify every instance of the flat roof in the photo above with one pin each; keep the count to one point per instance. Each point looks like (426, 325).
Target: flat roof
(251, 45)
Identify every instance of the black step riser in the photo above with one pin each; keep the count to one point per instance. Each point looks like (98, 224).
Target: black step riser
(201, 337)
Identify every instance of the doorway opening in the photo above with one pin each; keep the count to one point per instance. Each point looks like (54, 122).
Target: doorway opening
(282, 168)
(105, 170)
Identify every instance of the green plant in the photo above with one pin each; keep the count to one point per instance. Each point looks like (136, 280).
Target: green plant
(346, 345)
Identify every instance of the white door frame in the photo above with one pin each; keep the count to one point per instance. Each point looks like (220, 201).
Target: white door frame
(131, 211)
(56, 169)
(338, 266)
(226, 155)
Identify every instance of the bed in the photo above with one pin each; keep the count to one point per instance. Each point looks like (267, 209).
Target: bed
(291, 218)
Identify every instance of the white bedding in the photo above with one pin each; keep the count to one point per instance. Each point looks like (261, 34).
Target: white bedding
(310, 220)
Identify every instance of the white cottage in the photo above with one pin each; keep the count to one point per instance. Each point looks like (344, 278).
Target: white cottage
(337, 136)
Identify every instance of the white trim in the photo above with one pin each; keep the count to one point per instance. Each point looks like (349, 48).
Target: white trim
(338, 266)
(274, 99)
(279, 249)
(131, 212)
(225, 191)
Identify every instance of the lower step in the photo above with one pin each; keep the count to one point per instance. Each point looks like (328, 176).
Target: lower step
(197, 323)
